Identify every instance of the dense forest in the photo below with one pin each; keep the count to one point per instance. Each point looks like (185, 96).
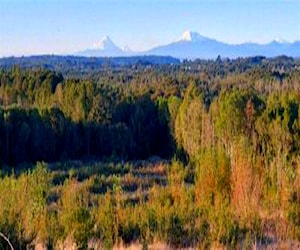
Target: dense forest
(202, 153)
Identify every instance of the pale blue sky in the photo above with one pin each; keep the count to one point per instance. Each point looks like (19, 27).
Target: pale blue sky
(65, 26)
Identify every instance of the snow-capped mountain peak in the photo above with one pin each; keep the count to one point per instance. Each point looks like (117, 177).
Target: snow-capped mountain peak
(193, 45)
(104, 43)
(280, 40)
(105, 47)
(189, 36)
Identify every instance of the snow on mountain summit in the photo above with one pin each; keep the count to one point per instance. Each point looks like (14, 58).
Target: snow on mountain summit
(104, 43)
(105, 47)
(280, 40)
(189, 36)
(193, 45)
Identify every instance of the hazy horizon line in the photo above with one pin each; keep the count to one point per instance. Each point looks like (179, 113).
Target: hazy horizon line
(133, 50)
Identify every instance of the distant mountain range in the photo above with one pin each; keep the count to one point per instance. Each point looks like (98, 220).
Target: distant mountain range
(192, 45)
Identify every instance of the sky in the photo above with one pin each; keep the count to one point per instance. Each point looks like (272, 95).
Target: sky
(30, 27)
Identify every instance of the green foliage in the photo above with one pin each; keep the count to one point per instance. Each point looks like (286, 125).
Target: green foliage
(188, 126)
(106, 220)
(23, 207)
(73, 214)
(235, 124)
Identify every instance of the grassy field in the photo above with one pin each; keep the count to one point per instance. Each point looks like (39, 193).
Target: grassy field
(151, 204)
(134, 178)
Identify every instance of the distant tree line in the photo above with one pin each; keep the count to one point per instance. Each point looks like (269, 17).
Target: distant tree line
(46, 117)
